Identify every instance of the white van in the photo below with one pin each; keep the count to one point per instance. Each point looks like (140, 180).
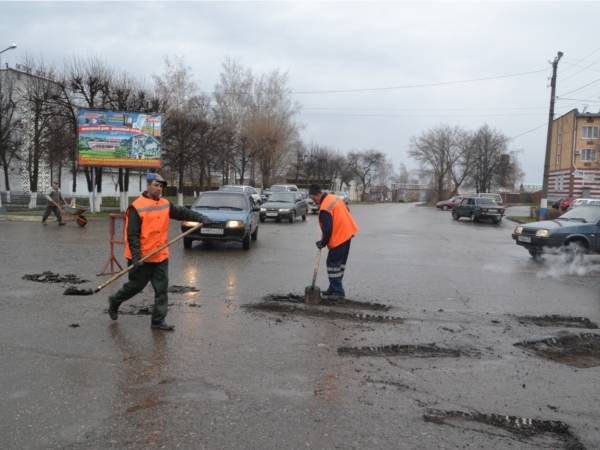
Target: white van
(496, 197)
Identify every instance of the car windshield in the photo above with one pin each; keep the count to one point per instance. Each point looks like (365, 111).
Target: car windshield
(485, 201)
(340, 193)
(278, 189)
(588, 213)
(217, 201)
(232, 188)
(282, 197)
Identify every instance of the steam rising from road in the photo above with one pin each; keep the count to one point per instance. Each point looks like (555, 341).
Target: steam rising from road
(561, 262)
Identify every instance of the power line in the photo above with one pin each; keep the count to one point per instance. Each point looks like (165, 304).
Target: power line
(409, 116)
(527, 132)
(420, 109)
(578, 89)
(418, 85)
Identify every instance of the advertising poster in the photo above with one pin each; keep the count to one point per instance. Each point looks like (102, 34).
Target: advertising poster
(119, 139)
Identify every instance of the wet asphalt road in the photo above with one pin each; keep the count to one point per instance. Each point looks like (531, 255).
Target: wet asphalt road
(232, 378)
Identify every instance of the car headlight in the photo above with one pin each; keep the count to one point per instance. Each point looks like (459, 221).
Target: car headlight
(190, 224)
(284, 209)
(518, 230)
(234, 224)
(543, 233)
(263, 209)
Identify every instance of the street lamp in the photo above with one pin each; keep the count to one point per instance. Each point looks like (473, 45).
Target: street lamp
(12, 46)
(544, 203)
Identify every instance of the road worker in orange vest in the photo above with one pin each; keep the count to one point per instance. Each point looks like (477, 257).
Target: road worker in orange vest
(147, 225)
(337, 228)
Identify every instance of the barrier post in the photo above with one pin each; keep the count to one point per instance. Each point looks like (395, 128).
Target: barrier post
(117, 236)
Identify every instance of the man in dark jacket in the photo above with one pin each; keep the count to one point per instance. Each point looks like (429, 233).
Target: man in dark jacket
(147, 225)
(54, 197)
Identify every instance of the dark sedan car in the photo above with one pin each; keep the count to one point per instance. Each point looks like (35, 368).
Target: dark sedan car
(284, 205)
(450, 203)
(234, 216)
(477, 208)
(576, 231)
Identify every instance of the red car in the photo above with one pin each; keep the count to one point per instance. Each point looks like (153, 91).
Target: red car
(450, 203)
(565, 203)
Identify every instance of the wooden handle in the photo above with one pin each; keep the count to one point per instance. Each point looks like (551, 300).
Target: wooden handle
(131, 267)
(316, 269)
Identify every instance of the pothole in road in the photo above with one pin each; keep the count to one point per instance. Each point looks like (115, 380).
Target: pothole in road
(50, 277)
(527, 430)
(343, 303)
(577, 350)
(558, 321)
(414, 351)
(181, 289)
(300, 311)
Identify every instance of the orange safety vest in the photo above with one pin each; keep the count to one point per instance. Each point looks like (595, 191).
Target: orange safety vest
(155, 227)
(344, 226)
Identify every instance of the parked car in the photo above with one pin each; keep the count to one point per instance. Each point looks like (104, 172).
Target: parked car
(234, 216)
(581, 201)
(556, 203)
(450, 203)
(304, 193)
(477, 208)
(240, 188)
(344, 196)
(576, 231)
(284, 205)
(312, 206)
(278, 188)
(496, 197)
(565, 203)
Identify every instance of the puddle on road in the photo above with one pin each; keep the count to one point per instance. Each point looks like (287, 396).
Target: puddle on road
(315, 311)
(343, 303)
(577, 350)
(50, 277)
(413, 351)
(526, 430)
(558, 321)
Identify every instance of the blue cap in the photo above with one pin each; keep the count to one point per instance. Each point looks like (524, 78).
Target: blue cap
(155, 177)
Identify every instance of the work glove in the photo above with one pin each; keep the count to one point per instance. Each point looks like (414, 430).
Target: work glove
(320, 244)
(137, 263)
(204, 220)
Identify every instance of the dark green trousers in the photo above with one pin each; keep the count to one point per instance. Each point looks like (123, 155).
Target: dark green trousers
(158, 275)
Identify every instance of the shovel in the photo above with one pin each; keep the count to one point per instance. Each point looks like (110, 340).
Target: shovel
(312, 293)
(74, 291)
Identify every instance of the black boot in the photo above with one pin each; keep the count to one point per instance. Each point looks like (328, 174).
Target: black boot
(113, 309)
(162, 326)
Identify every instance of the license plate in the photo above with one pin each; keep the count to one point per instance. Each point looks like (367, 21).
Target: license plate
(211, 231)
(524, 238)
(271, 214)
(493, 210)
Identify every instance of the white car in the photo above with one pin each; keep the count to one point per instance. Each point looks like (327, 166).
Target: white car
(582, 201)
(240, 188)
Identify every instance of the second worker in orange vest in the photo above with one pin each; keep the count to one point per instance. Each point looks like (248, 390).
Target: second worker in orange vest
(147, 229)
(338, 228)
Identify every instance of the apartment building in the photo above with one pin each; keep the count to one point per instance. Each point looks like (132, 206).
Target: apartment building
(574, 151)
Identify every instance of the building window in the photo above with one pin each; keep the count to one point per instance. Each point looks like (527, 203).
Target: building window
(557, 159)
(559, 140)
(559, 182)
(588, 154)
(589, 133)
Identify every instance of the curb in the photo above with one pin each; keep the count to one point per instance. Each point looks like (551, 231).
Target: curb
(26, 218)
(515, 220)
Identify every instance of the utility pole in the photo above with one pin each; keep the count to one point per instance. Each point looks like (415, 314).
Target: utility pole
(544, 204)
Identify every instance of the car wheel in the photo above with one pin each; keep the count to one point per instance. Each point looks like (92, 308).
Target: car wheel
(262, 219)
(187, 242)
(473, 217)
(254, 235)
(574, 250)
(535, 254)
(303, 216)
(445, 207)
(496, 221)
(246, 242)
(293, 218)
(455, 215)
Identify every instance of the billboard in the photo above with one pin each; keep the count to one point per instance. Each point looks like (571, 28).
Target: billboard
(119, 139)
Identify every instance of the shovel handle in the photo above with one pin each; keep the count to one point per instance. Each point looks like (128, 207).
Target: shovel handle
(131, 267)
(316, 269)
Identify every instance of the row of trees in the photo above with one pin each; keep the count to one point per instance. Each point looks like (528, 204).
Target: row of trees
(246, 129)
(451, 157)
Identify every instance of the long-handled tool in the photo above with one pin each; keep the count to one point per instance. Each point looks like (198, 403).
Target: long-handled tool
(74, 291)
(312, 293)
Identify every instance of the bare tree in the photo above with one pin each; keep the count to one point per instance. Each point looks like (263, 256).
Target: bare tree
(10, 126)
(460, 158)
(432, 152)
(364, 165)
(383, 173)
(489, 146)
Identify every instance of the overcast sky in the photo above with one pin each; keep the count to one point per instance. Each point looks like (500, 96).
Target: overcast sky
(359, 47)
